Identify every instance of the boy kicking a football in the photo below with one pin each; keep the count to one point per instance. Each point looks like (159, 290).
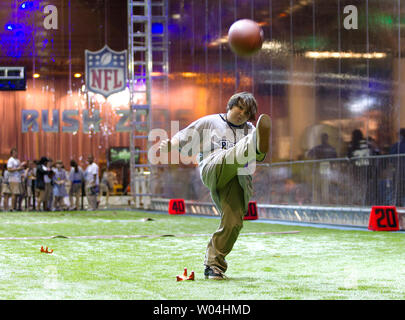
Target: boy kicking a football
(229, 146)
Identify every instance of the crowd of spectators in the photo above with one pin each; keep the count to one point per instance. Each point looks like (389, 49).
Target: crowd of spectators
(47, 185)
(365, 179)
(374, 179)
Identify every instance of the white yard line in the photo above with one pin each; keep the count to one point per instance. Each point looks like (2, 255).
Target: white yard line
(136, 236)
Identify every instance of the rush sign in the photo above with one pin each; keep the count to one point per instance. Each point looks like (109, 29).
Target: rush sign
(51, 122)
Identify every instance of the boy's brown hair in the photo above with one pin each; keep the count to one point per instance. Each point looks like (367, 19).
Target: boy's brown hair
(246, 99)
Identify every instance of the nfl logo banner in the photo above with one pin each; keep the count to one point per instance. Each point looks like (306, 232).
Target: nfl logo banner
(106, 71)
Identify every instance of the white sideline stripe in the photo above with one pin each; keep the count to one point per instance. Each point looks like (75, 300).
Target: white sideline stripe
(67, 221)
(140, 236)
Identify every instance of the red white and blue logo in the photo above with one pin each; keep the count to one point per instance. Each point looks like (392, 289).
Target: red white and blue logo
(106, 71)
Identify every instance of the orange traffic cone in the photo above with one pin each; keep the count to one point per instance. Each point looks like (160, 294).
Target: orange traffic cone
(184, 276)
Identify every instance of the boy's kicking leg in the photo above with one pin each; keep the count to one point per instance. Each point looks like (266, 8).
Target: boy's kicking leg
(230, 196)
(222, 241)
(252, 147)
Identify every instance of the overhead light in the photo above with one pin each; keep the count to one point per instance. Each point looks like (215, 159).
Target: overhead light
(217, 42)
(27, 5)
(9, 27)
(344, 55)
(189, 74)
(361, 104)
(36, 75)
(157, 74)
(77, 75)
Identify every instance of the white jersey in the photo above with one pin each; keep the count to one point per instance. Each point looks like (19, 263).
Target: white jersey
(15, 176)
(210, 134)
(91, 170)
(214, 135)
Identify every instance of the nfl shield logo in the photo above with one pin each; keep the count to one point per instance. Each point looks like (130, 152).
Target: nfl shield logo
(106, 71)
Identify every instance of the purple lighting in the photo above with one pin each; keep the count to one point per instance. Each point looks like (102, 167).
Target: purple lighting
(9, 27)
(27, 5)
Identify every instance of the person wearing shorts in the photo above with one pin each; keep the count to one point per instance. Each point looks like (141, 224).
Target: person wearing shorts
(106, 185)
(59, 186)
(92, 183)
(5, 188)
(228, 147)
(76, 176)
(15, 169)
(42, 172)
(30, 184)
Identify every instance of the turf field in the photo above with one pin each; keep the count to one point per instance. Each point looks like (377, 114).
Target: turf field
(123, 255)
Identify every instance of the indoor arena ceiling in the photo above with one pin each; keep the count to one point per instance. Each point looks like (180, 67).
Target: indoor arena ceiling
(290, 26)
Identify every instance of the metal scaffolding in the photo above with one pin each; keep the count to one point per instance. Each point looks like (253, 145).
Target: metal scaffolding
(148, 58)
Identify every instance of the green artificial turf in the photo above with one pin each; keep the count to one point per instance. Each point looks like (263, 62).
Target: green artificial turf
(313, 264)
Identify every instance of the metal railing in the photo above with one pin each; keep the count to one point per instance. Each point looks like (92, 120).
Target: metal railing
(342, 182)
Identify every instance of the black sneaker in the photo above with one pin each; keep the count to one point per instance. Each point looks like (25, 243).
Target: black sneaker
(213, 273)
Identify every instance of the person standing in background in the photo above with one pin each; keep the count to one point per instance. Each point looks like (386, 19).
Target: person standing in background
(323, 150)
(92, 183)
(106, 185)
(76, 177)
(30, 184)
(362, 152)
(59, 188)
(49, 185)
(15, 169)
(398, 164)
(5, 188)
(41, 173)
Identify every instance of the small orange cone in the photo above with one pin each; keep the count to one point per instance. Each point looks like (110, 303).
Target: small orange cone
(185, 277)
(46, 250)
